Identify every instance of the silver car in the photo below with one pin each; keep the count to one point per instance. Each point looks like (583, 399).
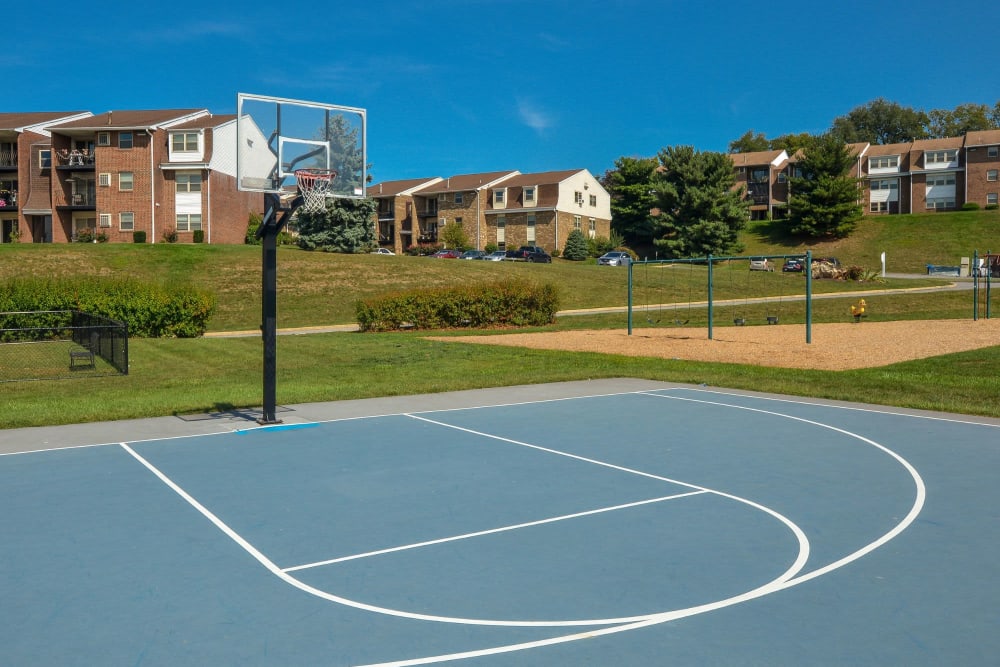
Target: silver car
(496, 256)
(614, 258)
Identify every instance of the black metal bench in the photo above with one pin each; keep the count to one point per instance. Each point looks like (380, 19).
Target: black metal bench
(84, 357)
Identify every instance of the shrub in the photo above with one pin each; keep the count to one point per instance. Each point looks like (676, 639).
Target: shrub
(599, 245)
(252, 224)
(506, 303)
(198, 236)
(970, 206)
(992, 207)
(453, 236)
(170, 235)
(576, 247)
(491, 247)
(150, 310)
(139, 236)
(85, 235)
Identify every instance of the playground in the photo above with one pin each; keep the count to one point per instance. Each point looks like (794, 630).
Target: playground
(835, 346)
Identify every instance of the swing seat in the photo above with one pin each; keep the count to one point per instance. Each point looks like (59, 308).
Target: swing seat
(739, 321)
(772, 319)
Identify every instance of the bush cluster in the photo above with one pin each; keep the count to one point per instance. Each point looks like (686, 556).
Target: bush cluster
(150, 311)
(506, 303)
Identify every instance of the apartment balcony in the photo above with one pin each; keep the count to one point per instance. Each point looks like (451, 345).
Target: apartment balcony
(80, 202)
(8, 160)
(758, 194)
(74, 160)
(8, 200)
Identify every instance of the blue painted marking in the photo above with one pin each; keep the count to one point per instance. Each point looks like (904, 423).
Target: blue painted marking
(282, 427)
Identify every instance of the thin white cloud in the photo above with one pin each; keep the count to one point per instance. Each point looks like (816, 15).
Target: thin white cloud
(534, 117)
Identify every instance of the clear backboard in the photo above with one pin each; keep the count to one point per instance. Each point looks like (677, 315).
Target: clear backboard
(276, 137)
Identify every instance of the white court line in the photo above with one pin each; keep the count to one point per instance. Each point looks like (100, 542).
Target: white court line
(493, 531)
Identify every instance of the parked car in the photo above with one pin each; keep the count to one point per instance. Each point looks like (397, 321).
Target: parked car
(614, 258)
(762, 265)
(473, 254)
(447, 254)
(496, 256)
(382, 251)
(529, 253)
(794, 265)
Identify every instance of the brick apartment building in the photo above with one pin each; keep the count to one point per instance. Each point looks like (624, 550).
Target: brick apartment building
(116, 173)
(912, 177)
(505, 209)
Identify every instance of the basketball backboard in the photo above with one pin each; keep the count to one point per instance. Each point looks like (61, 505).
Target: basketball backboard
(277, 136)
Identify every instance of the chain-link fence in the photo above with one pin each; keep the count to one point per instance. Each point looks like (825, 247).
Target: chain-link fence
(51, 344)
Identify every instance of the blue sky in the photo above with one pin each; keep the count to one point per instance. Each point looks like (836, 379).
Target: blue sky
(463, 86)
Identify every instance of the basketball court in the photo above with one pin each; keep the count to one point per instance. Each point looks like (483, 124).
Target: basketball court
(616, 522)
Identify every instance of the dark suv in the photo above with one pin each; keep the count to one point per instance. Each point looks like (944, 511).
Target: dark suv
(529, 253)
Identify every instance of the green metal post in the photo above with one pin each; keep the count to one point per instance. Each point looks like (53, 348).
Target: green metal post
(809, 297)
(710, 297)
(975, 285)
(630, 298)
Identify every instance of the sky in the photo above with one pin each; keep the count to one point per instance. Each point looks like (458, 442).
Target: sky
(466, 86)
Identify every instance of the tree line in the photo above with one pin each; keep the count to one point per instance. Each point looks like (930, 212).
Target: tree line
(684, 202)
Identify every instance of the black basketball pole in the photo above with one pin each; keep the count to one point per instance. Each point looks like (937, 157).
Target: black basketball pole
(270, 227)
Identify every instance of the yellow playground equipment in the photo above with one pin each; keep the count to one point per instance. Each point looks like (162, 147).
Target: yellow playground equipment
(859, 310)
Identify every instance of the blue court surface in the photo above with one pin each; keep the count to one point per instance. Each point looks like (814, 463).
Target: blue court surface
(624, 523)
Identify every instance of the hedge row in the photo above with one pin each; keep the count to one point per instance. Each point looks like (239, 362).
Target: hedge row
(507, 303)
(150, 311)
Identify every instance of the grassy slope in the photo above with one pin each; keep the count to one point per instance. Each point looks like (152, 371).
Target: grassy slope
(176, 376)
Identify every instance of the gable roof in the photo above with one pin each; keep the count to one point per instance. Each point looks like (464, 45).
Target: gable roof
(19, 121)
(465, 182)
(131, 120)
(757, 158)
(982, 138)
(205, 122)
(394, 188)
(539, 178)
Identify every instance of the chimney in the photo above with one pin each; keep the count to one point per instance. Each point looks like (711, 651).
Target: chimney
(109, 118)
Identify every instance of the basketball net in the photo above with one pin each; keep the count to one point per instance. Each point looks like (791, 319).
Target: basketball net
(315, 185)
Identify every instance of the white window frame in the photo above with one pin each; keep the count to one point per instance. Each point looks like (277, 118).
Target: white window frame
(885, 184)
(45, 159)
(126, 178)
(501, 231)
(592, 228)
(103, 138)
(940, 179)
(991, 198)
(578, 198)
(940, 203)
(186, 222)
(104, 180)
(991, 175)
(183, 181)
(529, 194)
(577, 222)
(883, 162)
(104, 220)
(126, 221)
(530, 228)
(122, 143)
(941, 157)
(499, 196)
(593, 200)
(184, 145)
(993, 151)
(879, 206)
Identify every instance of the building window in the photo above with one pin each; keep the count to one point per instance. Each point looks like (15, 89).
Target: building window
(184, 142)
(459, 197)
(592, 229)
(103, 138)
(126, 222)
(578, 198)
(940, 157)
(576, 222)
(45, 159)
(885, 184)
(759, 176)
(593, 200)
(943, 179)
(992, 151)
(104, 180)
(188, 222)
(126, 181)
(188, 181)
(501, 231)
(124, 140)
(104, 219)
(531, 228)
(884, 162)
(991, 175)
(499, 196)
(879, 207)
(938, 203)
(529, 194)
(782, 176)
(991, 199)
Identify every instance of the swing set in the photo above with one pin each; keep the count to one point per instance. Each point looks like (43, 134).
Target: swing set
(769, 298)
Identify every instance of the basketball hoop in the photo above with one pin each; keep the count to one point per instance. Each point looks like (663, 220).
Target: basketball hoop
(315, 185)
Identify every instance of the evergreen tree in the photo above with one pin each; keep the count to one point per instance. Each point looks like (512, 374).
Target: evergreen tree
(699, 211)
(825, 201)
(344, 225)
(631, 190)
(576, 247)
